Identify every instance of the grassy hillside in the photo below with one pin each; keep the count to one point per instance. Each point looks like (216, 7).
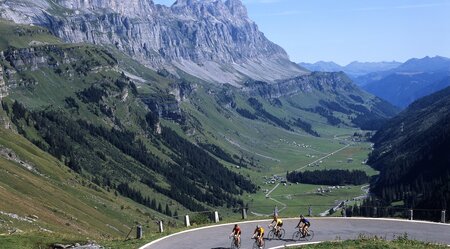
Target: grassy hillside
(47, 197)
(24, 36)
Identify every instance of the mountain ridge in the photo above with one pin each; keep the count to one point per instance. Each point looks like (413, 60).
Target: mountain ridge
(353, 69)
(413, 79)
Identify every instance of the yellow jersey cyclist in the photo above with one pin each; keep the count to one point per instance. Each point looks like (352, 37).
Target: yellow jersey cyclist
(277, 223)
(258, 235)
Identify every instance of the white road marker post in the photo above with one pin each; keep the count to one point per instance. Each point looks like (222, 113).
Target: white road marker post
(139, 232)
(187, 223)
(216, 217)
(244, 213)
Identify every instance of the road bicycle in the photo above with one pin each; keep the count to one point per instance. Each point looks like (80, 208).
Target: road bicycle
(298, 235)
(272, 234)
(233, 242)
(256, 245)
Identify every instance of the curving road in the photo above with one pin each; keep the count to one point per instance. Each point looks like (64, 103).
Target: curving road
(326, 229)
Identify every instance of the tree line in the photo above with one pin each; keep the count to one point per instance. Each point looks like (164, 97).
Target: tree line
(329, 177)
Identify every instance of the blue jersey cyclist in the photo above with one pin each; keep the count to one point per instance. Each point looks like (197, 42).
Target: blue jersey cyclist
(303, 228)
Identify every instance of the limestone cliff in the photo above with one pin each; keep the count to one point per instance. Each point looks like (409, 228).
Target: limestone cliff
(212, 39)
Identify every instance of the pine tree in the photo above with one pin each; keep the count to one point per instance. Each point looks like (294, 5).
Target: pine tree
(168, 212)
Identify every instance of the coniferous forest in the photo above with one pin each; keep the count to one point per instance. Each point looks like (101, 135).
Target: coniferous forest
(83, 147)
(411, 152)
(329, 177)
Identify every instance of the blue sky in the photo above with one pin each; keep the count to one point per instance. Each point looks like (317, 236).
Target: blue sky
(349, 30)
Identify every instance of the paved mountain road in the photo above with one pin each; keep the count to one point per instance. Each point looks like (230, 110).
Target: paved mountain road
(325, 229)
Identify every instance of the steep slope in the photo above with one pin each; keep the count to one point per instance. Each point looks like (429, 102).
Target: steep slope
(76, 103)
(39, 194)
(413, 79)
(411, 152)
(213, 40)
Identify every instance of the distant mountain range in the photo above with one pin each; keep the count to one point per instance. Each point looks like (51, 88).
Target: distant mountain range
(353, 69)
(413, 79)
(398, 83)
(411, 152)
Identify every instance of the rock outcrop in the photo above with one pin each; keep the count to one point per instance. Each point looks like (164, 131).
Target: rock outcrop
(212, 39)
(3, 87)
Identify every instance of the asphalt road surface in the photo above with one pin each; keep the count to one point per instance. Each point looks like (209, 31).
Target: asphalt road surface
(326, 229)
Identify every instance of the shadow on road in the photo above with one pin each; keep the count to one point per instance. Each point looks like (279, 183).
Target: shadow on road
(285, 240)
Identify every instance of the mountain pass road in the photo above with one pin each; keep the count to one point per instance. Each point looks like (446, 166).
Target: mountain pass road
(326, 229)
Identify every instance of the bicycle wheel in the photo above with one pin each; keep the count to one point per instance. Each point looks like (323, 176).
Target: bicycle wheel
(296, 236)
(233, 244)
(281, 233)
(310, 235)
(271, 235)
(256, 246)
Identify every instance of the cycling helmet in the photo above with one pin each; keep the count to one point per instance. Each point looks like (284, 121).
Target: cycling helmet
(258, 226)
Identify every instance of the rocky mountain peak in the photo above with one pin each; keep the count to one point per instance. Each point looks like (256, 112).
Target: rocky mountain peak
(231, 10)
(236, 7)
(180, 3)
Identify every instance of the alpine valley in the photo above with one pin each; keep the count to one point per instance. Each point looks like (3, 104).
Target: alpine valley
(123, 112)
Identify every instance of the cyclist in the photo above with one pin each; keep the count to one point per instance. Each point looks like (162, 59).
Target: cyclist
(236, 233)
(306, 225)
(278, 224)
(258, 234)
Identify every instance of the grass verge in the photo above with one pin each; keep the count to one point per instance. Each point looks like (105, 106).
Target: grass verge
(375, 243)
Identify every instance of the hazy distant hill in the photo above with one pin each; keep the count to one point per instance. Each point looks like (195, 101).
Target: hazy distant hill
(410, 81)
(322, 66)
(354, 69)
